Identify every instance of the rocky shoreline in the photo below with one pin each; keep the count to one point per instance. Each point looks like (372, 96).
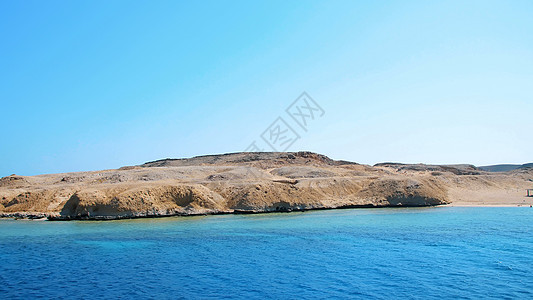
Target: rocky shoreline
(249, 183)
(58, 217)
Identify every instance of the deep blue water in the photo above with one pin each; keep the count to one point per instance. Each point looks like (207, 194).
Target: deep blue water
(445, 252)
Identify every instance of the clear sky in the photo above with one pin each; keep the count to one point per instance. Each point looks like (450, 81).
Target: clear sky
(88, 85)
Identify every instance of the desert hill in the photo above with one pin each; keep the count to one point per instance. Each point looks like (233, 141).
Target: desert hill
(253, 183)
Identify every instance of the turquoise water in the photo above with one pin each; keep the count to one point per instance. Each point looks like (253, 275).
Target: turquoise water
(418, 253)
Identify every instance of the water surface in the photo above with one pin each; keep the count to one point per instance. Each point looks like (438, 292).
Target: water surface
(417, 253)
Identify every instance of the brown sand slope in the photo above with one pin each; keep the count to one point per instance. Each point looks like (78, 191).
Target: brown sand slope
(254, 182)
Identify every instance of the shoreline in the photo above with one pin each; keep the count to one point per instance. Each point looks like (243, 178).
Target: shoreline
(490, 205)
(55, 217)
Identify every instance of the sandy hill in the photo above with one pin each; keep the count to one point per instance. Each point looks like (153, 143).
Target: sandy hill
(254, 182)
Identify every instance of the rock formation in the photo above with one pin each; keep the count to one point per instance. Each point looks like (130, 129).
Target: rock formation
(252, 183)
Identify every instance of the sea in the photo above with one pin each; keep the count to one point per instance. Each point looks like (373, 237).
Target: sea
(386, 253)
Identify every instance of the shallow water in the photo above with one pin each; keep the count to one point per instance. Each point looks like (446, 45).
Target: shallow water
(417, 253)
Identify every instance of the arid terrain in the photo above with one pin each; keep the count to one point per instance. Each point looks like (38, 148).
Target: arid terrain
(254, 183)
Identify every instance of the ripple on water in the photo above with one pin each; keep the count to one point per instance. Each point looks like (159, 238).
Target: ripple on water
(466, 253)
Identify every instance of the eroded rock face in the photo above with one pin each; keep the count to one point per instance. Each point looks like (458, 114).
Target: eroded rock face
(405, 192)
(153, 200)
(239, 182)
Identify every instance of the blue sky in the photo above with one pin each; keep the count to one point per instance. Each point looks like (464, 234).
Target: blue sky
(88, 85)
